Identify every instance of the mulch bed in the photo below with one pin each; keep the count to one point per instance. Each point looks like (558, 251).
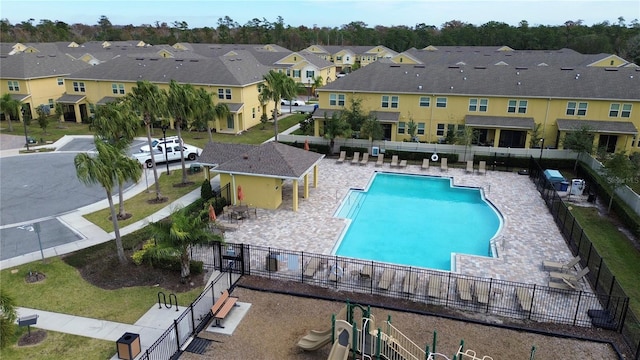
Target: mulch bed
(36, 337)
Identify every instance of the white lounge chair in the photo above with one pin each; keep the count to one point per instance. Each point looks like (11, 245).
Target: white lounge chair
(410, 283)
(425, 164)
(443, 164)
(559, 276)
(481, 290)
(403, 163)
(386, 279)
(394, 161)
(559, 266)
(356, 158)
(464, 289)
(482, 168)
(365, 159)
(343, 156)
(469, 166)
(435, 286)
(380, 160)
(311, 268)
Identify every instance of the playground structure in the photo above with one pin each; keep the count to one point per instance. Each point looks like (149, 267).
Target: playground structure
(355, 332)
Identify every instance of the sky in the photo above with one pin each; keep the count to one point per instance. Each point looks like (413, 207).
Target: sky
(321, 13)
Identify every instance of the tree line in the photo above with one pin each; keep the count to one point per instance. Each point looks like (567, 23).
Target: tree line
(619, 37)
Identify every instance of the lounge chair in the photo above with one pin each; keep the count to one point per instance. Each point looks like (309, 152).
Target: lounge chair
(386, 279)
(311, 268)
(343, 156)
(356, 158)
(559, 276)
(564, 285)
(380, 160)
(409, 283)
(482, 168)
(366, 271)
(481, 290)
(470, 166)
(464, 288)
(394, 161)
(435, 286)
(524, 299)
(365, 159)
(561, 267)
(425, 164)
(443, 164)
(403, 164)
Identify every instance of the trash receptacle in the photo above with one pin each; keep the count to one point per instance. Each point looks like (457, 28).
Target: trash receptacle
(128, 346)
(564, 186)
(272, 262)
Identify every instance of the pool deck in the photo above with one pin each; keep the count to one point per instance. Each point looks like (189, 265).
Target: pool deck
(529, 234)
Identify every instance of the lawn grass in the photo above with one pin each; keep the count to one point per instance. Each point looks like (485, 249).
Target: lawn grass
(619, 254)
(65, 291)
(59, 346)
(138, 205)
(55, 130)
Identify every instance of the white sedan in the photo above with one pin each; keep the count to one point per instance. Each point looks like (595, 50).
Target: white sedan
(294, 102)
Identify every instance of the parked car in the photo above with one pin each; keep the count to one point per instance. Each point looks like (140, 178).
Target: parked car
(170, 140)
(173, 153)
(293, 102)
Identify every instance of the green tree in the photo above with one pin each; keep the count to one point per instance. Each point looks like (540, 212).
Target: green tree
(10, 108)
(277, 86)
(43, 112)
(8, 316)
(176, 235)
(371, 129)
(617, 170)
(412, 128)
(467, 137)
(206, 111)
(181, 102)
(100, 169)
(150, 102)
(316, 83)
(580, 141)
(333, 127)
(59, 111)
(117, 123)
(354, 115)
(536, 136)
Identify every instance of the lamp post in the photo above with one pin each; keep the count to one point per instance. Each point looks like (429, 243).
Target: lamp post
(309, 93)
(24, 123)
(164, 136)
(541, 148)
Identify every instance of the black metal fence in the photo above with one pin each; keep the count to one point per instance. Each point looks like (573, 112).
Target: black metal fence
(475, 294)
(602, 280)
(191, 320)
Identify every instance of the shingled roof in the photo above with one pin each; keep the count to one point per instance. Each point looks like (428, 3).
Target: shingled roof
(37, 65)
(271, 159)
(602, 126)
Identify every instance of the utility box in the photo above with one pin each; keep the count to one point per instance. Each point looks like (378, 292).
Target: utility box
(375, 151)
(272, 262)
(128, 346)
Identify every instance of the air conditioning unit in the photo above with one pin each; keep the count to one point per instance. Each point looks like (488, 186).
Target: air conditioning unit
(375, 151)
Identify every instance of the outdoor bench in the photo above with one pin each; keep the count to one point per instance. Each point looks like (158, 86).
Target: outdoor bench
(222, 307)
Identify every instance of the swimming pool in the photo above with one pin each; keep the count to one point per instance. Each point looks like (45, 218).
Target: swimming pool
(416, 220)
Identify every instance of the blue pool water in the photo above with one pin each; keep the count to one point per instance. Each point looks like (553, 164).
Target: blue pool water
(416, 221)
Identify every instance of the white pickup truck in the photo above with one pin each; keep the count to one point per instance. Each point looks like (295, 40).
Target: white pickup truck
(173, 153)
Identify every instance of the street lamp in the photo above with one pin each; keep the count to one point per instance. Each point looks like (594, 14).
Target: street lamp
(24, 122)
(164, 136)
(541, 148)
(309, 93)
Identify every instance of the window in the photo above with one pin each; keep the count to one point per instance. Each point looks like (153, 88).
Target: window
(253, 113)
(13, 86)
(402, 127)
(336, 99)
(385, 101)
(338, 58)
(473, 104)
(582, 109)
(394, 102)
(571, 108)
(224, 94)
(614, 110)
(425, 101)
(484, 105)
(574, 108)
(51, 104)
(311, 74)
(440, 130)
(288, 72)
(441, 102)
(60, 81)
(420, 129)
(117, 89)
(296, 73)
(521, 106)
(626, 111)
(78, 86)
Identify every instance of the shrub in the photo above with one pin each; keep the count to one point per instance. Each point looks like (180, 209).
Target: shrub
(138, 256)
(206, 191)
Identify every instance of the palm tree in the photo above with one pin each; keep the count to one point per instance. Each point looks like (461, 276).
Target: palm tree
(205, 111)
(175, 236)
(181, 102)
(10, 108)
(315, 84)
(277, 86)
(147, 99)
(117, 123)
(100, 169)
(8, 317)
(334, 127)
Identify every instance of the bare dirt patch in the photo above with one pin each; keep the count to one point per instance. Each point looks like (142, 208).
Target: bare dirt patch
(36, 337)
